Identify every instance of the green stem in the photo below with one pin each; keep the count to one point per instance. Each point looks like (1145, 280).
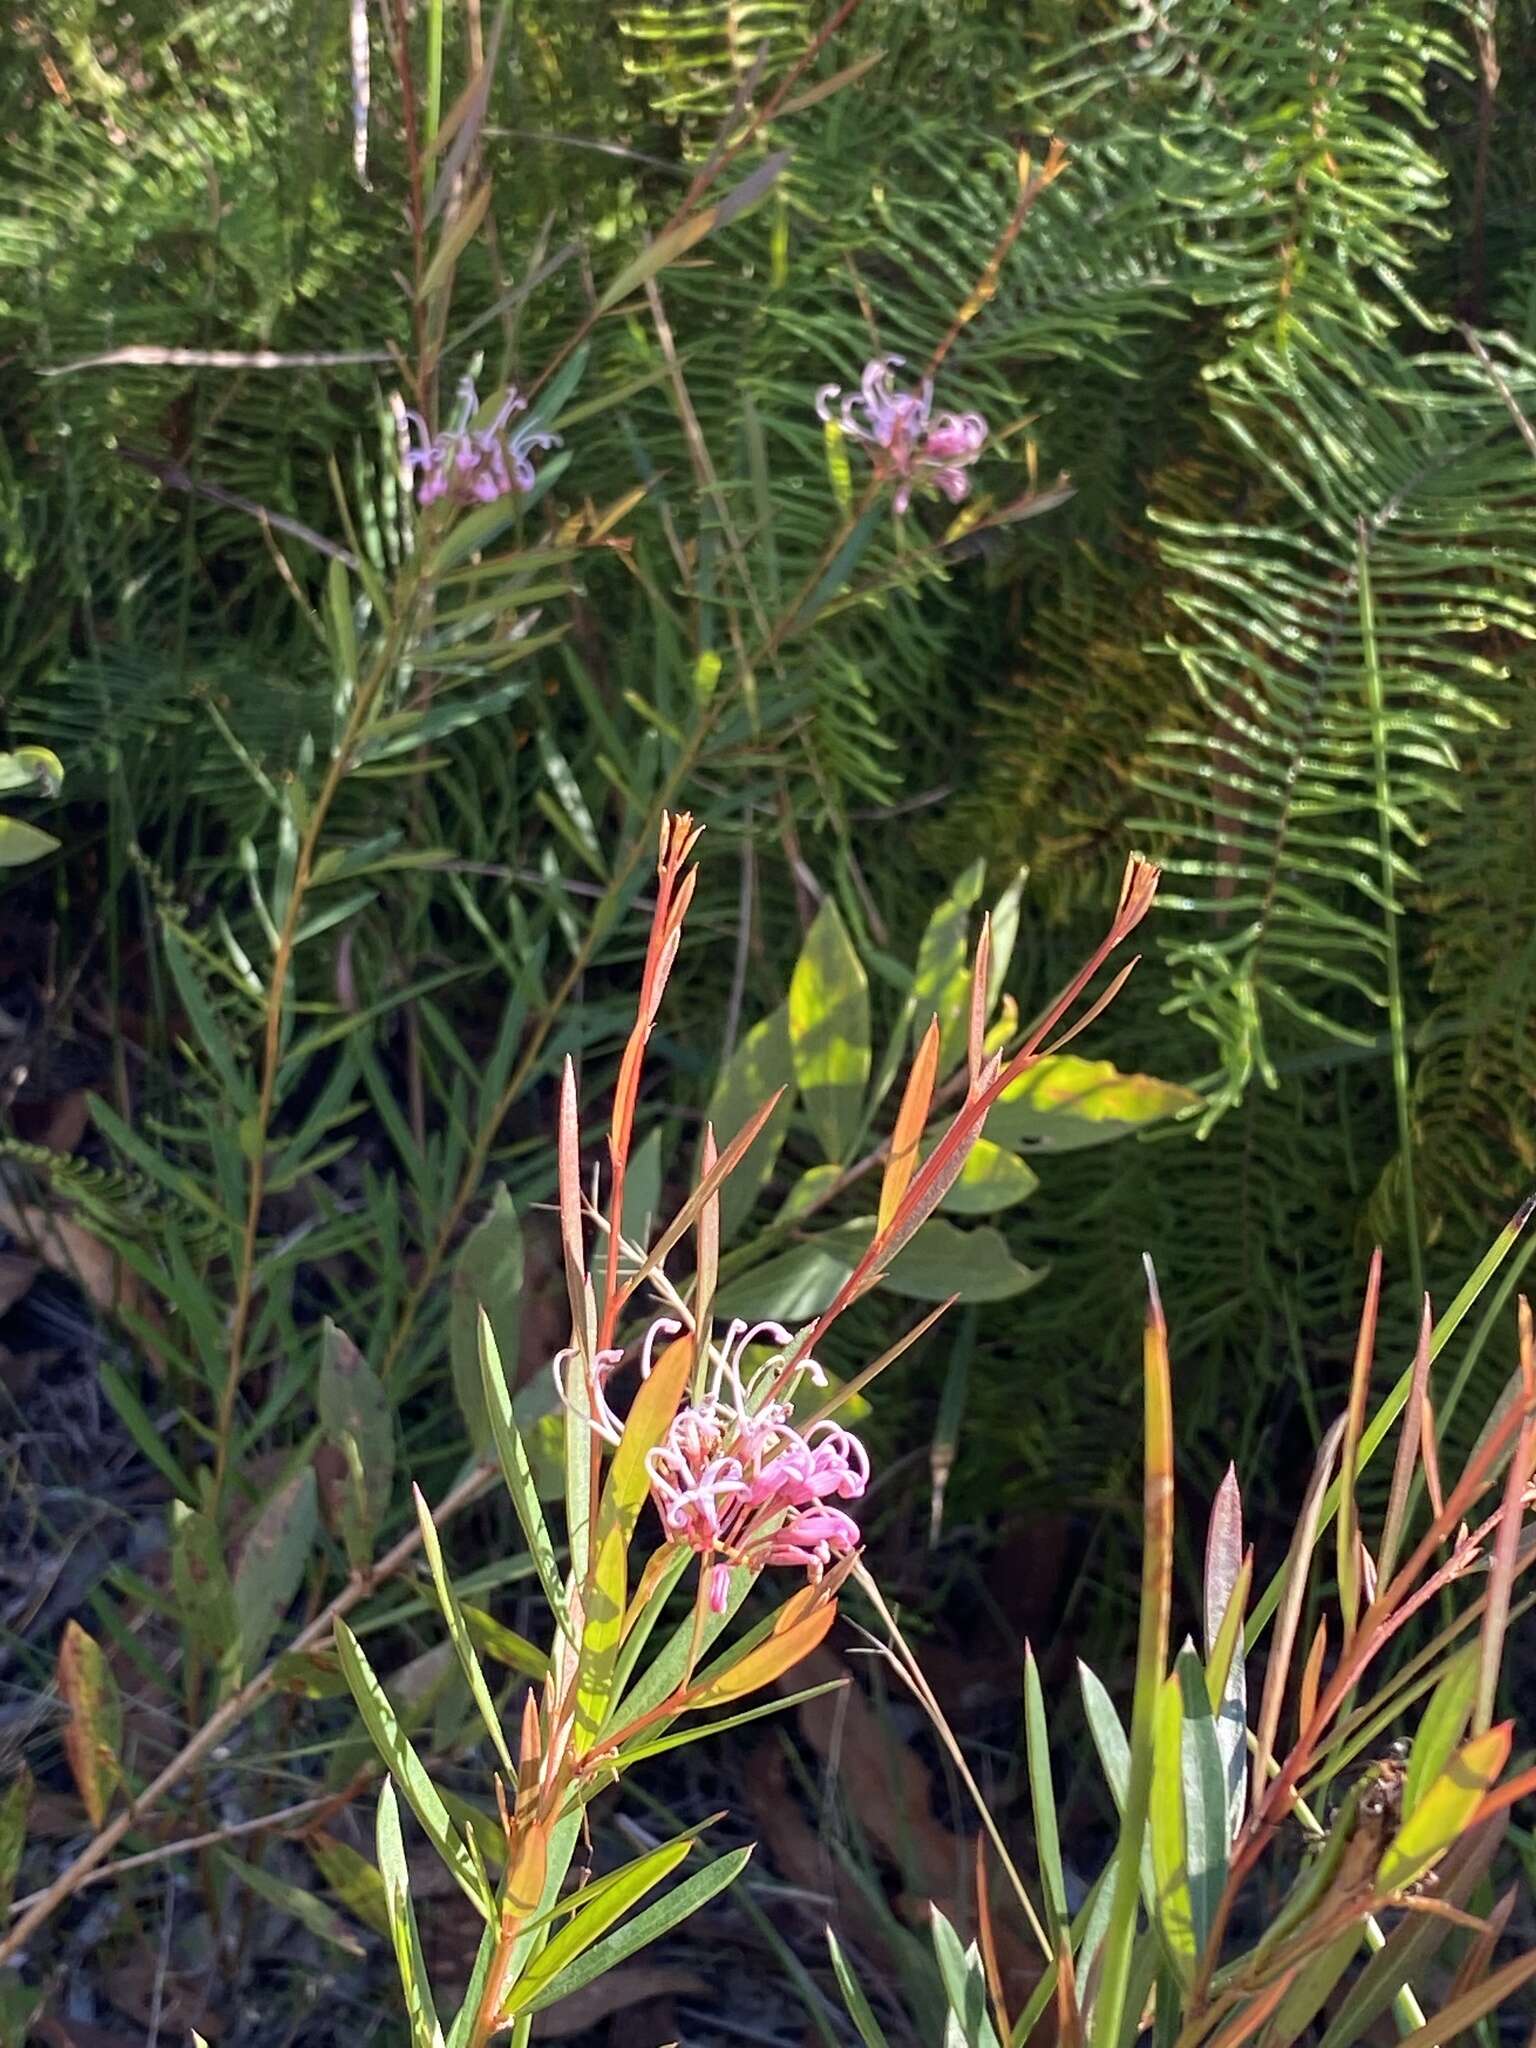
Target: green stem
(1396, 1016)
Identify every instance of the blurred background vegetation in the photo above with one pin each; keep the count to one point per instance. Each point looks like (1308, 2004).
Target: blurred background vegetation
(1275, 321)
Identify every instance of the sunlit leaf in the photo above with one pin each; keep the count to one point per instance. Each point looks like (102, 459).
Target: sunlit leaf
(1063, 1103)
(1443, 1724)
(941, 985)
(829, 1030)
(1445, 1808)
(422, 2015)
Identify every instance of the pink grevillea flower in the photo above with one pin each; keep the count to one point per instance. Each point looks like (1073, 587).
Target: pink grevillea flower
(475, 464)
(732, 1477)
(908, 442)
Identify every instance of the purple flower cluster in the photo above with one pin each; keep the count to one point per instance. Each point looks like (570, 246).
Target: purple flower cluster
(733, 1478)
(474, 465)
(910, 444)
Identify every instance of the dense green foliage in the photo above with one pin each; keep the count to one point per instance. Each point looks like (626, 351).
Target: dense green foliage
(1274, 325)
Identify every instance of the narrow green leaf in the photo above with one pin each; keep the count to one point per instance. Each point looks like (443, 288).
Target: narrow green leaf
(518, 1473)
(352, 1403)
(965, 1985)
(1443, 1725)
(207, 1029)
(504, 1644)
(1042, 1794)
(761, 1063)
(422, 2014)
(941, 985)
(708, 1729)
(593, 1919)
(21, 843)
(272, 1562)
(297, 1903)
(1445, 1808)
(408, 1772)
(1165, 1817)
(646, 1927)
(352, 1878)
(14, 1808)
(135, 1418)
(864, 2021)
(487, 1278)
(458, 1634)
(829, 1030)
(1205, 1788)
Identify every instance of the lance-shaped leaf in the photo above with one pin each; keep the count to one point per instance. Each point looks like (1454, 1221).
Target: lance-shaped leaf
(355, 1881)
(1063, 1103)
(1165, 1813)
(205, 1597)
(1445, 1809)
(512, 1455)
(941, 986)
(867, 2026)
(762, 1066)
(1205, 1790)
(420, 2011)
(1042, 1796)
(607, 1593)
(1443, 1725)
(458, 1633)
(767, 1661)
(93, 1734)
(646, 1927)
(408, 1771)
(272, 1563)
(487, 1282)
(908, 1130)
(14, 1808)
(295, 1903)
(592, 1920)
(677, 240)
(352, 1403)
(1228, 1575)
(829, 1030)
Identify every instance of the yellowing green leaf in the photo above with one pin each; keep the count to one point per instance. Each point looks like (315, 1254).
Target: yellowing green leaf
(941, 986)
(769, 1660)
(991, 1179)
(1445, 1809)
(1165, 1816)
(21, 842)
(1063, 1103)
(93, 1734)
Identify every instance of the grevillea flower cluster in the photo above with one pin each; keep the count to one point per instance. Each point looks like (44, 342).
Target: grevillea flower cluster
(733, 1478)
(476, 464)
(909, 443)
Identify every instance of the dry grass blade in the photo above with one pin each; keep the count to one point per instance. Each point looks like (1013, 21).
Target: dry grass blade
(1297, 1566)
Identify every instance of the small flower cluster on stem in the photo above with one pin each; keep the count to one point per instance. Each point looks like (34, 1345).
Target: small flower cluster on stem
(732, 1478)
(476, 465)
(909, 443)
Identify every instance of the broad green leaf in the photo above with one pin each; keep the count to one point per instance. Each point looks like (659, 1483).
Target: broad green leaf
(991, 1179)
(1443, 1725)
(1205, 1796)
(829, 1031)
(864, 2021)
(941, 985)
(942, 1260)
(93, 1733)
(488, 1276)
(458, 1634)
(646, 1927)
(1042, 1794)
(761, 1063)
(1005, 932)
(809, 1190)
(205, 1596)
(408, 1772)
(793, 1287)
(422, 2014)
(352, 1403)
(272, 1561)
(1063, 1103)
(1445, 1808)
(21, 843)
(1165, 1822)
(355, 1881)
(14, 1808)
(593, 1920)
(298, 1904)
(607, 1593)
